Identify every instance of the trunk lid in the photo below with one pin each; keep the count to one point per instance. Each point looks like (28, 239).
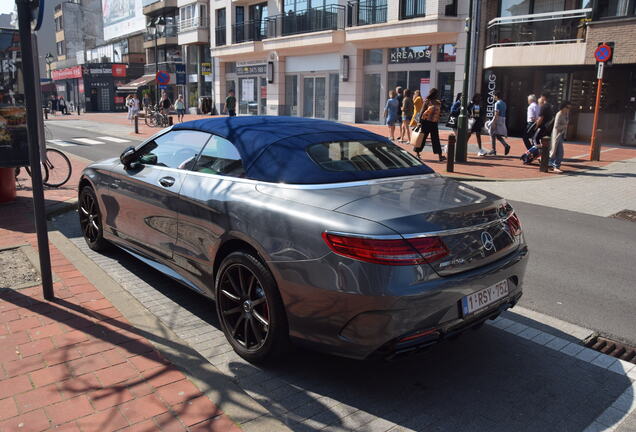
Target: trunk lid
(472, 223)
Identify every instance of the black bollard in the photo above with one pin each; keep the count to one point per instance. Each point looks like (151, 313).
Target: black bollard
(545, 154)
(46, 113)
(450, 153)
(136, 124)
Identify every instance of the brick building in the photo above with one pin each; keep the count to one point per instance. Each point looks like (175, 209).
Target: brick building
(530, 46)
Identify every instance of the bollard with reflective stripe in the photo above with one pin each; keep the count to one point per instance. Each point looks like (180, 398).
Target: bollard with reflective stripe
(450, 153)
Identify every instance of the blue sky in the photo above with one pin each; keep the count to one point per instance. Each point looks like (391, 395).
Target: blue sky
(6, 6)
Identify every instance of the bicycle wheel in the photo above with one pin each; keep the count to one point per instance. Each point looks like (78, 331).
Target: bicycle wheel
(152, 120)
(45, 172)
(59, 168)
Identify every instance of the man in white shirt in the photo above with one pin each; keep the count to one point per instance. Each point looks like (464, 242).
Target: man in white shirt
(532, 116)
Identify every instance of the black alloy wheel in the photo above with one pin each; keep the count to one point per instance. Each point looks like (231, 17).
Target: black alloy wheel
(91, 220)
(249, 308)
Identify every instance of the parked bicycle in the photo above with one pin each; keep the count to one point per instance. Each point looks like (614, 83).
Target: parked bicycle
(56, 168)
(155, 118)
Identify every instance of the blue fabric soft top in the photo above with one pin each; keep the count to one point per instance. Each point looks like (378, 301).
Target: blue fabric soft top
(273, 149)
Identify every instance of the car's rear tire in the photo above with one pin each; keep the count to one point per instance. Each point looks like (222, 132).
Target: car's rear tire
(91, 220)
(250, 309)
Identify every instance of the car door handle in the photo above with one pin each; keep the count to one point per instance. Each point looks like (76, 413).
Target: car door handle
(166, 181)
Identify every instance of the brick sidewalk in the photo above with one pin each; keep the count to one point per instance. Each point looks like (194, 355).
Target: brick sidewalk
(75, 363)
(492, 168)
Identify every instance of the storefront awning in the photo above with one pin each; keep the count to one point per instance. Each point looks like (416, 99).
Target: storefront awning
(135, 84)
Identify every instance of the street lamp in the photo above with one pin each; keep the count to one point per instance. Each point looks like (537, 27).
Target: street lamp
(155, 28)
(49, 60)
(462, 120)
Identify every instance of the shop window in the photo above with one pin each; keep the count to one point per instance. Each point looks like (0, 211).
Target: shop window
(371, 97)
(373, 57)
(291, 94)
(446, 53)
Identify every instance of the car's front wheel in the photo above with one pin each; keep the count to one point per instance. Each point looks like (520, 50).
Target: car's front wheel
(90, 219)
(250, 309)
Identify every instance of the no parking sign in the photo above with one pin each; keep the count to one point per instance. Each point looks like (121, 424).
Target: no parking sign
(163, 77)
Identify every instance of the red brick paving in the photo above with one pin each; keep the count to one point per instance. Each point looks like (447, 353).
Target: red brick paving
(75, 364)
(493, 167)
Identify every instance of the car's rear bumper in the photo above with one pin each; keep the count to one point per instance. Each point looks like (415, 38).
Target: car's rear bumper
(362, 322)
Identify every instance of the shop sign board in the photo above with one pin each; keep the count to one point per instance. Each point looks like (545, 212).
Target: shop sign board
(491, 88)
(119, 70)
(14, 148)
(414, 54)
(206, 69)
(257, 69)
(180, 72)
(67, 73)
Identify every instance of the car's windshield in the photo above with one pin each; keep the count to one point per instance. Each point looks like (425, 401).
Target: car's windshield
(361, 156)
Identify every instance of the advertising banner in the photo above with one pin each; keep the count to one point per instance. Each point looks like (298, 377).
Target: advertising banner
(206, 68)
(122, 17)
(180, 73)
(67, 73)
(14, 150)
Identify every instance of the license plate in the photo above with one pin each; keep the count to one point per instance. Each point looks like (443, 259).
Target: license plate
(483, 298)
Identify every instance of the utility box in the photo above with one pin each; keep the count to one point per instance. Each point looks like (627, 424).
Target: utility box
(14, 148)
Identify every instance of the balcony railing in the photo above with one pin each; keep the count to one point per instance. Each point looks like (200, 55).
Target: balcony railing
(163, 66)
(192, 24)
(171, 30)
(366, 12)
(252, 30)
(537, 29)
(330, 17)
(219, 36)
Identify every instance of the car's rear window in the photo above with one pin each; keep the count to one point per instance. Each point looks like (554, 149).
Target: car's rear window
(361, 156)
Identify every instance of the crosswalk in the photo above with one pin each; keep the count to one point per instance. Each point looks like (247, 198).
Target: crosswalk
(82, 141)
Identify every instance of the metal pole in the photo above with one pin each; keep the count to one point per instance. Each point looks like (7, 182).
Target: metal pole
(595, 153)
(156, 70)
(31, 74)
(462, 120)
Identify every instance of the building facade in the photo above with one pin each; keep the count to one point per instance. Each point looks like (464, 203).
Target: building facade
(534, 46)
(334, 59)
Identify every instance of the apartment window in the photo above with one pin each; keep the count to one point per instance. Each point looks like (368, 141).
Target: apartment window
(59, 24)
(296, 6)
(525, 7)
(446, 53)
(220, 27)
(412, 8)
(60, 48)
(192, 15)
(615, 8)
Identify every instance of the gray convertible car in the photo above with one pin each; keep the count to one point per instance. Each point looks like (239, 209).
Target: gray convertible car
(311, 232)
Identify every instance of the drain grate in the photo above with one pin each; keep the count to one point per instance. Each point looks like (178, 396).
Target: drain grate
(612, 348)
(628, 215)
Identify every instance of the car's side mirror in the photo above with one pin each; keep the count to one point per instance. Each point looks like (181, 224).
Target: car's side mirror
(128, 157)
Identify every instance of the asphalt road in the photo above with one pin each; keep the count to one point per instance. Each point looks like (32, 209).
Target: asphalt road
(582, 268)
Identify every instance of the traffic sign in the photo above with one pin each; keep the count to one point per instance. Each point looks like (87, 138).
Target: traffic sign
(599, 70)
(603, 53)
(163, 77)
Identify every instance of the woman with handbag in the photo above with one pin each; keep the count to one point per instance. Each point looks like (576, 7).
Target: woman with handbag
(407, 114)
(429, 120)
(475, 121)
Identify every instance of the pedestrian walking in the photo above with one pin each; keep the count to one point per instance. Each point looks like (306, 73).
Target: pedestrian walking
(476, 121)
(179, 105)
(146, 101)
(418, 102)
(165, 104)
(545, 119)
(399, 95)
(407, 115)
(531, 121)
(62, 105)
(230, 104)
(497, 126)
(558, 136)
(135, 107)
(455, 110)
(129, 103)
(391, 113)
(429, 120)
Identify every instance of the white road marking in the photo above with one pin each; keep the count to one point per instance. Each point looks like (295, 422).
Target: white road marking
(61, 143)
(113, 139)
(586, 155)
(87, 141)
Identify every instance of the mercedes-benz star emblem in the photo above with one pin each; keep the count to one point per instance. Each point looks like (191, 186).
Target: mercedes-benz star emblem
(487, 241)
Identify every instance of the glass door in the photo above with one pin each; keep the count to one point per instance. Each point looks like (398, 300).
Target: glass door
(315, 97)
(371, 97)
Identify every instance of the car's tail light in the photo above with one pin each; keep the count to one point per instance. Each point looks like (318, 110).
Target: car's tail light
(387, 251)
(514, 224)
